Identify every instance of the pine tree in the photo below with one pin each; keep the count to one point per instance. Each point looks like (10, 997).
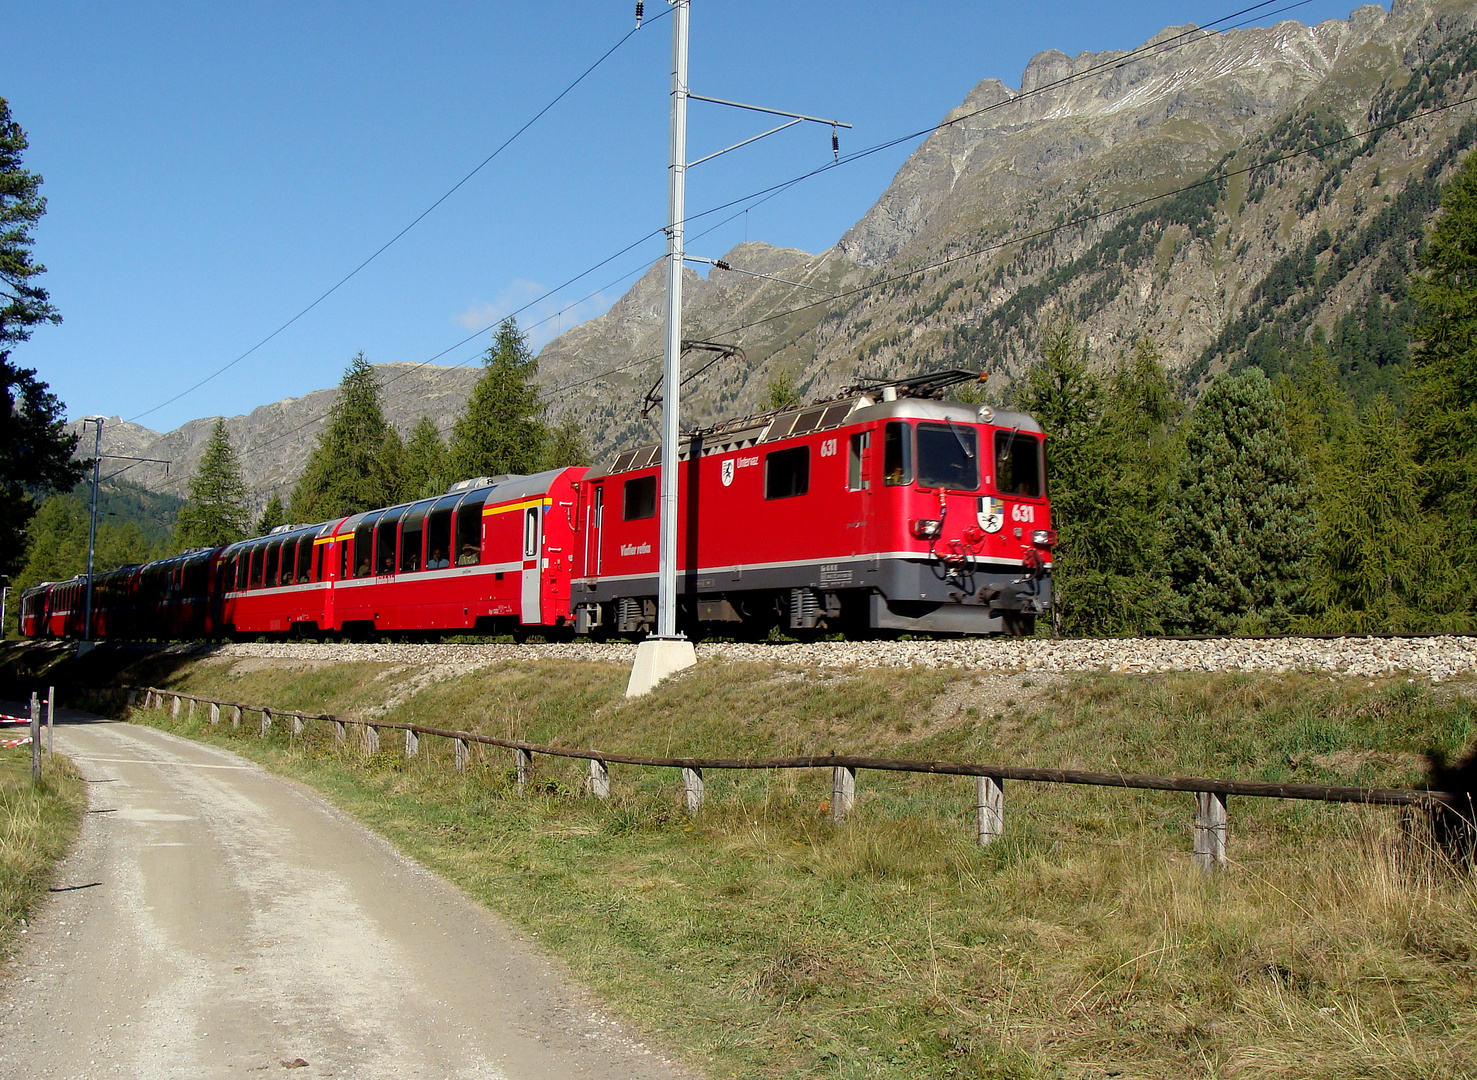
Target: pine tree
(1443, 404)
(1240, 514)
(1109, 455)
(35, 447)
(566, 445)
(273, 515)
(216, 512)
(780, 392)
(423, 467)
(1378, 561)
(502, 429)
(343, 474)
(391, 464)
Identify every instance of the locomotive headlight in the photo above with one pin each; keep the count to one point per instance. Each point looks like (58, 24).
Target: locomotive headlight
(926, 529)
(1044, 537)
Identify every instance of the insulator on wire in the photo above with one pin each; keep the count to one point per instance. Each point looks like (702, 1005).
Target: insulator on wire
(835, 145)
(639, 6)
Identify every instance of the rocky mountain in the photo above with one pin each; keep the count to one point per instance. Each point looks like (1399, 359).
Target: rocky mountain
(1227, 194)
(274, 440)
(1232, 195)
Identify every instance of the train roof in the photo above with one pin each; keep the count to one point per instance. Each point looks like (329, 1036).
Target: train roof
(859, 405)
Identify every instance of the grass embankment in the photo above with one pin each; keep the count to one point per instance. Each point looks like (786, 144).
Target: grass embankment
(761, 941)
(37, 825)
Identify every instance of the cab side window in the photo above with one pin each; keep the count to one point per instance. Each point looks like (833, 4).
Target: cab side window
(787, 473)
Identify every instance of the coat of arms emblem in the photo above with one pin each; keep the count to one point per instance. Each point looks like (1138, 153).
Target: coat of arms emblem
(990, 514)
(727, 471)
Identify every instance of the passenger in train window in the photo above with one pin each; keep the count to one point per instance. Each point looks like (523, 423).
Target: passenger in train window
(437, 560)
(469, 556)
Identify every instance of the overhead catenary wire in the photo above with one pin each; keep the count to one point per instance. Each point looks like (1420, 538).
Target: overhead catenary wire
(413, 223)
(762, 195)
(1119, 61)
(1074, 223)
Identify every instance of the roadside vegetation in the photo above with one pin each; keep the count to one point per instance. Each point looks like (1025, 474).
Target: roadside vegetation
(760, 940)
(37, 825)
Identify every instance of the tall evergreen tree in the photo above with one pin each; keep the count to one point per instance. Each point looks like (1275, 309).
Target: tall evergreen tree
(423, 466)
(1378, 562)
(780, 392)
(566, 445)
(35, 447)
(1109, 455)
(344, 474)
(502, 429)
(273, 515)
(216, 512)
(1240, 515)
(1443, 404)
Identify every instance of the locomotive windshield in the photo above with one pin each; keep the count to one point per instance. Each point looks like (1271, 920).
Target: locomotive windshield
(948, 457)
(1017, 464)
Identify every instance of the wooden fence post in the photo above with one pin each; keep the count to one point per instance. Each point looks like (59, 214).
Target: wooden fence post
(35, 740)
(371, 739)
(989, 805)
(692, 787)
(1210, 830)
(297, 724)
(235, 716)
(843, 792)
(266, 722)
(50, 717)
(460, 753)
(190, 710)
(340, 733)
(599, 779)
(412, 743)
(158, 698)
(522, 762)
(174, 708)
(215, 713)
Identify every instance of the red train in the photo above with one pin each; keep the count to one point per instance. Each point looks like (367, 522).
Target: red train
(887, 509)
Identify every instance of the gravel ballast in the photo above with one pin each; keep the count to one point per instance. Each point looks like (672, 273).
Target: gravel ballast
(1436, 658)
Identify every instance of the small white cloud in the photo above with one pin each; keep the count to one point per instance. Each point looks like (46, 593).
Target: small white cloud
(542, 318)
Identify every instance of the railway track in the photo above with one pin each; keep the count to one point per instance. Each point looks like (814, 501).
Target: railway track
(1434, 656)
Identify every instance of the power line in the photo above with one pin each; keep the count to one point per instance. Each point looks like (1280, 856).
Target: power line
(1179, 40)
(1077, 222)
(416, 221)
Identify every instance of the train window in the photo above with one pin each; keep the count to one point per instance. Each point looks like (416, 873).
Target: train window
(639, 499)
(343, 559)
(530, 533)
(363, 544)
(274, 556)
(258, 555)
(787, 473)
(318, 557)
(897, 454)
(384, 551)
(304, 560)
(856, 462)
(1017, 464)
(948, 456)
(438, 539)
(412, 536)
(469, 533)
(289, 560)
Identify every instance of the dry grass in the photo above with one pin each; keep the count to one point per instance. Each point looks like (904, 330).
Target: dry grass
(37, 825)
(762, 941)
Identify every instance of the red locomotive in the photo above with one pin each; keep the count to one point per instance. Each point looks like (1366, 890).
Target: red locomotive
(887, 509)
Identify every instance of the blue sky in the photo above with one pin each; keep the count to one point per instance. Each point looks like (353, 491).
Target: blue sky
(213, 168)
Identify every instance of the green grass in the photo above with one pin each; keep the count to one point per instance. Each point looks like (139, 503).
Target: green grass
(37, 824)
(758, 940)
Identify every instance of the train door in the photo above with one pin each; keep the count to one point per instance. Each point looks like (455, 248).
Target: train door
(859, 490)
(532, 564)
(594, 512)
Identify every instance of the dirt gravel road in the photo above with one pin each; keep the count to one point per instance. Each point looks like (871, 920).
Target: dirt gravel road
(215, 921)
